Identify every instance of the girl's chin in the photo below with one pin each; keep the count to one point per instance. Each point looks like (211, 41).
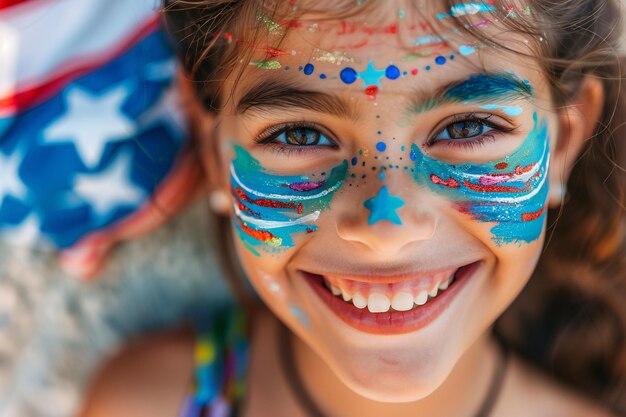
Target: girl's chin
(378, 390)
(394, 384)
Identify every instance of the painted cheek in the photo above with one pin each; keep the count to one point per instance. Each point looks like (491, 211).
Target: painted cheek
(269, 209)
(511, 192)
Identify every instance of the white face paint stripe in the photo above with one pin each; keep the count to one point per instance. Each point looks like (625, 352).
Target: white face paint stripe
(515, 177)
(273, 224)
(281, 196)
(513, 200)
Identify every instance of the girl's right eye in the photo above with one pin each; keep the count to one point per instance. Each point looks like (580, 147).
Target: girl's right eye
(296, 137)
(303, 136)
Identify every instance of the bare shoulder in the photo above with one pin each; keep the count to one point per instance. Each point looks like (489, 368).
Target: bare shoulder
(148, 377)
(539, 395)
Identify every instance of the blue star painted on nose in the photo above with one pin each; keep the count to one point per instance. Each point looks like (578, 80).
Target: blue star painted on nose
(371, 75)
(383, 207)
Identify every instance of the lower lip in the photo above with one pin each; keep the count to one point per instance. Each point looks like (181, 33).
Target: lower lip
(391, 322)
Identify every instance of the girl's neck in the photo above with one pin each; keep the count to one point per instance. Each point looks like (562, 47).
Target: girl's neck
(462, 394)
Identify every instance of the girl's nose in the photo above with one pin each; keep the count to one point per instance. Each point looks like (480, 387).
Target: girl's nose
(386, 224)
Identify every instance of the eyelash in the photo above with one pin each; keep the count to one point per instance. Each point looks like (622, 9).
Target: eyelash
(474, 142)
(268, 136)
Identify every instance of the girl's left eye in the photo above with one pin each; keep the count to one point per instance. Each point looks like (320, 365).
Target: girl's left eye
(303, 136)
(464, 129)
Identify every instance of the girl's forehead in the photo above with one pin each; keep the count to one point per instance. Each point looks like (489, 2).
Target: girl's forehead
(384, 51)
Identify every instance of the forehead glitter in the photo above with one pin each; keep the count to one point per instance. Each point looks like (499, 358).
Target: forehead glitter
(332, 57)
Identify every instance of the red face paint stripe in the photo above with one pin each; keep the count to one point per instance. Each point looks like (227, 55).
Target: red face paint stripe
(260, 235)
(493, 188)
(527, 217)
(450, 182)
(266, 202)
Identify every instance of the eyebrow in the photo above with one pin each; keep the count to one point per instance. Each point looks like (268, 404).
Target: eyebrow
(477, 88)
(273, 95)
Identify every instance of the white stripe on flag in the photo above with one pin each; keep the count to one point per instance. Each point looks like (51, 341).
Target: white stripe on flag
(40, 43)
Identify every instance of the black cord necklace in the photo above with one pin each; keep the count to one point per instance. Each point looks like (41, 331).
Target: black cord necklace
(303, 397)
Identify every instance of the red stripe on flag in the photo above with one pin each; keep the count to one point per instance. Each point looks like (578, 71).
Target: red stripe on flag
(35, 95)
(5, 4)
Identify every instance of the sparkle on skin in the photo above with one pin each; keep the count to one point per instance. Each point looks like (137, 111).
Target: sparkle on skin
(384, 207)
(300, 315)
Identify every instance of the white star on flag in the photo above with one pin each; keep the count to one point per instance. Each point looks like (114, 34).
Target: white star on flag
(167, 111)
(109, 189)
(27, 233)
(91, 122)
(162, 70)
(10, 182)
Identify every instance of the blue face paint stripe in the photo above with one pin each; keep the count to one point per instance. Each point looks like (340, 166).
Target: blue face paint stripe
(270, 208)
(511, 192)
(479, 89)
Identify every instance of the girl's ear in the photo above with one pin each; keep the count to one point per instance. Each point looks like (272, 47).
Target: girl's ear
(214, 166)
(204, 131)
(577, 122)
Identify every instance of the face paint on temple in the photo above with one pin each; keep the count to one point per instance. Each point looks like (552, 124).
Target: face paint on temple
(270, 208)
(511, 192)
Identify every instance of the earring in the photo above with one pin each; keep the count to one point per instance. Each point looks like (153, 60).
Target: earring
(559, 191)
(219, 202)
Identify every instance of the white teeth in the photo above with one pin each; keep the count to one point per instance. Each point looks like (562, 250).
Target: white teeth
(402, 301)
(359, 301)
(378, 303)
(421, 298)
(433, 292)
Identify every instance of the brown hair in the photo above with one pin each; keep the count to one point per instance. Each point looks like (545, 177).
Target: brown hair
(571, 318)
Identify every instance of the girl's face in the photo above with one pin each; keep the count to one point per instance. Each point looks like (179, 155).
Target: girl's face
(389, 186)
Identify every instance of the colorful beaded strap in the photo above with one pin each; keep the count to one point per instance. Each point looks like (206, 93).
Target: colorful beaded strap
(221, 362)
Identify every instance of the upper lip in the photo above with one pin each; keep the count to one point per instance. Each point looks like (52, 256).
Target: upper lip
(378, 275)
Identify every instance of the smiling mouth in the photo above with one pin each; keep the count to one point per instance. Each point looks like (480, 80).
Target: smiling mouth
(376, 306)
(379, 298)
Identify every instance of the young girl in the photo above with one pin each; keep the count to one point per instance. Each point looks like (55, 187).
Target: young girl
(387, 169)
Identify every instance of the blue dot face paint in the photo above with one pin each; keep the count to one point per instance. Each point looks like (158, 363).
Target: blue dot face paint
(511, 192)
(348, 75)
(466, 50)
(270, 208)
(384, 206)
(392, 72)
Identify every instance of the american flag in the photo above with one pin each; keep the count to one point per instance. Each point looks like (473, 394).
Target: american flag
(89, 115)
